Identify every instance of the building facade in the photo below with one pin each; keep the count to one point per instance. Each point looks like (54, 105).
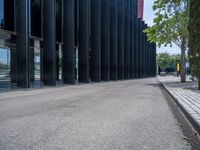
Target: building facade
(46, 42)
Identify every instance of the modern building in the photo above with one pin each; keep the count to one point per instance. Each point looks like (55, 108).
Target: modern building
(46, 42)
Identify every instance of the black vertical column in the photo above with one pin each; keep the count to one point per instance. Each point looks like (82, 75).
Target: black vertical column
(136, 41)
(13, 69)
(41, 63)
(49, 54)
(136, 51)
(69, 63)
(31, 61)
(120, 31)
(151, 57)
(83, 41)
(132, 40)
(154, 58)
(57, 62)
(127, 40)
(139, 46)
(145, 55)
(95, 62)
(22, 20)
(142, 51)
(132, 48)
(149, 64)
(13, 61)
(113, 39)
(105, 40)
(151, 60)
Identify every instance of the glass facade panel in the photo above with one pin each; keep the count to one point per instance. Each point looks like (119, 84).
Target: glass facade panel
(2, 14)
(7, 15)
(36, 18)
(58, 20)
(4, 62)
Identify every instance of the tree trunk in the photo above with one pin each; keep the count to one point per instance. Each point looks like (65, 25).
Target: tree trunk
(183, 67)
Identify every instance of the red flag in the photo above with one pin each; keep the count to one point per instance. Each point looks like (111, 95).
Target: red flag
(140, 8)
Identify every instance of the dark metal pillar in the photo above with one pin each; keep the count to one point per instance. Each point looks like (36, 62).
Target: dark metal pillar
(13, 62)
(149, 64)
(120, 31)
(142, 51)
(113, 40)
(13, 71)
(83, 42)
(145, 54)
(69, 63)
(154, 58)
(139, 47)
(105, 40)
(95, 62)
(49, 55)
(127, 40)
(31, 61)
(57, 62)
(136, 51)
(23, 13)
(132, 48)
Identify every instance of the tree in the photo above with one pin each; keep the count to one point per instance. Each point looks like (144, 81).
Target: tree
(170, 26)
(174, 60)
(163, 60)
(194, 38)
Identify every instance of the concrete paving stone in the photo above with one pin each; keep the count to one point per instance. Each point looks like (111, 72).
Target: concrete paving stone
(189, 99)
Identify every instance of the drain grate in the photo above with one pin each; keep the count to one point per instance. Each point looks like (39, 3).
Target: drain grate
(191, 135)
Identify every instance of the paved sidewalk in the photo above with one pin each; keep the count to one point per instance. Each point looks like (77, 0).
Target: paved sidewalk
(186, 94)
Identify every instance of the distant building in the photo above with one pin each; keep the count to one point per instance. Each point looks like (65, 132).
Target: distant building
(140, 9)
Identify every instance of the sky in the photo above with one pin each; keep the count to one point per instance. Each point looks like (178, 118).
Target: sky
(148, 17)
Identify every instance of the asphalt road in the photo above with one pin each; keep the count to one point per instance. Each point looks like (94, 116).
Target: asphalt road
(124, 115)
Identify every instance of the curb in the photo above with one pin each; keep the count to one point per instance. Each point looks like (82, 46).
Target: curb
(187, 115)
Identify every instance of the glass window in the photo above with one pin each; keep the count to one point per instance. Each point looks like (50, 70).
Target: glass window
(7, 14)
(1, 14)
(58, 20)
(36, 18)
(4, 62)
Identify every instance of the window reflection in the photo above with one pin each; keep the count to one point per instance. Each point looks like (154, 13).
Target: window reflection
(36, 18)
(4, 62)
(58, 20)
(2, 14)
(7, 15)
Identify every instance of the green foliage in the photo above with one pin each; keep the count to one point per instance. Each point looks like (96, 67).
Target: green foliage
(174, 60)
(194, 37)
(170, 23)
(165, 60)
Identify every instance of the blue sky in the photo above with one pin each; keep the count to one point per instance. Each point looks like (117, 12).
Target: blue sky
(148, 17)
